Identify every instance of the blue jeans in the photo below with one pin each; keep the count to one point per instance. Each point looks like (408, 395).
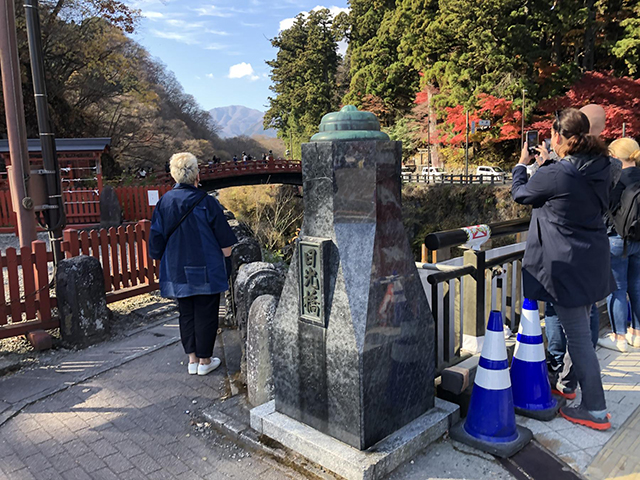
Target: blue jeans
(556, 341)
(626, 271)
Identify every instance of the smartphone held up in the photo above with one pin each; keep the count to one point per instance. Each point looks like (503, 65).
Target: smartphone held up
(532, 139)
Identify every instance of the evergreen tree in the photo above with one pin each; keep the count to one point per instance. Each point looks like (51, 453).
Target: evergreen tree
(380, 81)
(304, 77)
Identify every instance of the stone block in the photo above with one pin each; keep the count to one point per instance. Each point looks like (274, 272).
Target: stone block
(259, 330)
(40, 340)
(458, 378)
(110, 210)
(253, 280)
(350, 463)
(82, 304)
(353, 351)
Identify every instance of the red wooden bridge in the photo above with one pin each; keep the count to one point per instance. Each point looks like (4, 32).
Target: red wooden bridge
(251, 172)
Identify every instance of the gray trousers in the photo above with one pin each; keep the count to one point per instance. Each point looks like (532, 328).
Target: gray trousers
(581, 357)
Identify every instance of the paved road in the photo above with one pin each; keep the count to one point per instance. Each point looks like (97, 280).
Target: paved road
(127, 423)
(118, 410)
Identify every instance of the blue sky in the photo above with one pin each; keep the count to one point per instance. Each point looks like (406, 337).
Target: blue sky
(218, 48)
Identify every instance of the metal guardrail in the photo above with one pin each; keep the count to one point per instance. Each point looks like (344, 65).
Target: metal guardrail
(456, 179)
(462, 291)
(460, 236)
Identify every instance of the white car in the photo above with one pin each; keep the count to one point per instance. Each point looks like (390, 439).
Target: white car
(487, 172)
(433, 174)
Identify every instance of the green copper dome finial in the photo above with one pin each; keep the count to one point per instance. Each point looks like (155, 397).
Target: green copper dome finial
(349, 124)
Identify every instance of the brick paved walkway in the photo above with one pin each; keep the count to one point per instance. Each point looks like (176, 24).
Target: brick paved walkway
(128, 423)
(602, 455)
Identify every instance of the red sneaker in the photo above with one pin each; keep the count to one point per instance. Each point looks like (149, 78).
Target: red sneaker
(565, 392)
(581, 416)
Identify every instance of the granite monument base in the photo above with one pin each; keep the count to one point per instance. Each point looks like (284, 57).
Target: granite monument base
(346, 461)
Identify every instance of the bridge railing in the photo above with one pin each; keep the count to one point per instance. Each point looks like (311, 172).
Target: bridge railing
(462, 291)
(456, 179)
(231, 168)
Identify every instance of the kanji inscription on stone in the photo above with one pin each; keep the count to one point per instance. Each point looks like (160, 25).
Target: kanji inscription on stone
(311, 282)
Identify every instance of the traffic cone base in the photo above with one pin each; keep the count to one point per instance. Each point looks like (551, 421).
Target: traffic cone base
(501, 449)
(491, 422)
(531, 389)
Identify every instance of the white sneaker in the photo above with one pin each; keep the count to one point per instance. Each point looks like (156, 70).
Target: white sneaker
(204, 369)
(612, 344)
(193, 368)
(633, 340)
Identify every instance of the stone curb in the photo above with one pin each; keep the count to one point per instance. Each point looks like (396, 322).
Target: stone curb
(243, 434)
(15, 409)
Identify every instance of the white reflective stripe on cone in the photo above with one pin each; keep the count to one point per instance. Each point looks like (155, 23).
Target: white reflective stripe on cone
(492, 379)
(529, 353)
(494, 347)
(530, 323)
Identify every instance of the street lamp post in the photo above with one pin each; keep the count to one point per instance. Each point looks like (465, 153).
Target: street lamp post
(524, 91)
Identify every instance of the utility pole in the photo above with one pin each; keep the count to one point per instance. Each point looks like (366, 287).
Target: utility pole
(54, 209)
(19, 170)
(524, 91)
(466, 148)
(429, 140)
(624, 129)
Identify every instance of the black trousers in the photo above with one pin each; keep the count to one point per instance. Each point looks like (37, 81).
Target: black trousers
(199, 323)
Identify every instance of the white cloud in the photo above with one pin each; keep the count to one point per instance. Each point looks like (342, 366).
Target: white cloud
(218, 32)
(178, 37)
(186, 25)
(241, 70)
(215, 46)
(288, 22)
(333, 10)
(211, 11)
(153, 15)
(209, 75)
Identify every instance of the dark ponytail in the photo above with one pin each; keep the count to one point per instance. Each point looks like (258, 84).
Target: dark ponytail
(574, 125)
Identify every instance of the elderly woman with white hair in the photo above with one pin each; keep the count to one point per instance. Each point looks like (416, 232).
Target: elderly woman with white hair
(193, 240)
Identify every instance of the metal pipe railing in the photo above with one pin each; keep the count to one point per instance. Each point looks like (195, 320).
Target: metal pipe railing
(459, 236)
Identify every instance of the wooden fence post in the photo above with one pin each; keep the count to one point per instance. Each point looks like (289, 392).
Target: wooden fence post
(145, 226)
(42, 280)
(474, 302)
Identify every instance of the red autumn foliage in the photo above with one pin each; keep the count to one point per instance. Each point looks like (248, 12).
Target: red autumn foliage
(505, 121)
(620, 97)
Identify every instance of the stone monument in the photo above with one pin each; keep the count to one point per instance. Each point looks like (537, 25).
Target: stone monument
(353, 335)
(110, 210)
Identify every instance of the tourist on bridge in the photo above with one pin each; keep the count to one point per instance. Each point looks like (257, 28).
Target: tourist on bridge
(563, 381)
(567, 259)
(191, 237)
(625, 250)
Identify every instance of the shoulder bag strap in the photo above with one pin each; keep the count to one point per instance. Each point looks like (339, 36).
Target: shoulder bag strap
(172, 231)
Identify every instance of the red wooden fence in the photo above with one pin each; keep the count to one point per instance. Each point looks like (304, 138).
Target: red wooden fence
(123, 252)
(135, 202)
(25, 302)
(82, 207)
(25, 298)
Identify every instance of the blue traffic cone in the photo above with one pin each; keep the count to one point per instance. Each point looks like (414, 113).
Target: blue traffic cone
(491, 422)
(529, 377)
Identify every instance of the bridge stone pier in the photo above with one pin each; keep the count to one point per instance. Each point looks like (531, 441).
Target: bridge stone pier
(353, 336)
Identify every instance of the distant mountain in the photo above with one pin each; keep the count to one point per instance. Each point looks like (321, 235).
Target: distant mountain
(237, 120)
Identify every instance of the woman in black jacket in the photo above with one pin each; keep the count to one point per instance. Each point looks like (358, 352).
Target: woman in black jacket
(566, 261)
